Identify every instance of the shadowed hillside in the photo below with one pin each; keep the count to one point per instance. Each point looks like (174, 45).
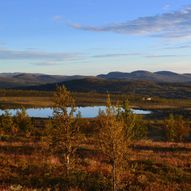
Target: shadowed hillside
(146, 88)
(9, 80)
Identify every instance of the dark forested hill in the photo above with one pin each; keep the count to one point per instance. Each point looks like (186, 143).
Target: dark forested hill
(163, 84)
(145, 88)
(9, 80)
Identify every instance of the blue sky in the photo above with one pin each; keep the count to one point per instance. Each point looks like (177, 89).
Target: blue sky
(90, 37)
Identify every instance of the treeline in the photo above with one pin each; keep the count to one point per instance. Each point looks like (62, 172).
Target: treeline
(26, 93)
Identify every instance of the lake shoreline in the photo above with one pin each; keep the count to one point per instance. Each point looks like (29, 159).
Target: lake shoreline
(85, 112)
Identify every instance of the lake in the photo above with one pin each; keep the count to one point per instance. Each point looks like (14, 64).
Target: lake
(86, 112)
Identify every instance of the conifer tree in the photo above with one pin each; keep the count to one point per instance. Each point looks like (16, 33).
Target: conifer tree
(176, 128)
(64, 135)
(7, 125)
(133, 124)
(112, 141)
(23, 122)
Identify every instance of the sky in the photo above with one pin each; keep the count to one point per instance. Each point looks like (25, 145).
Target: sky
(90, 37)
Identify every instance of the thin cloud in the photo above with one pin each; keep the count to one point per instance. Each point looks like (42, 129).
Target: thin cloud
(164, 56)
(175, 24)
(8, 54)
(2, 44)
(115, 55)
(57, 18)
(166, 6)
(187, 46)
(48, 63)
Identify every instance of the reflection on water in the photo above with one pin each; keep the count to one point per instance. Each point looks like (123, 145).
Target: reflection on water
(87, 112)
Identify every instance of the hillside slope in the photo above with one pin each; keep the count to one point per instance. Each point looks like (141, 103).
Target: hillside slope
(145, 88)
(161, 76)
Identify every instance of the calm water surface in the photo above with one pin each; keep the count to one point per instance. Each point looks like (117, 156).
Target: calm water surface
(87, 112)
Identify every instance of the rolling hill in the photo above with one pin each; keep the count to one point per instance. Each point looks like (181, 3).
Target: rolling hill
(161, 76)
(10, 80)
(163, 83)
(144, 88)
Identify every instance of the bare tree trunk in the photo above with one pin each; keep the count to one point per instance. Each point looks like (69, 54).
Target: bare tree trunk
(114, 176)
(67, 164)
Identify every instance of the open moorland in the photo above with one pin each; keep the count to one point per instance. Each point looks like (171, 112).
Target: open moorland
(27, 164)
(155, 158)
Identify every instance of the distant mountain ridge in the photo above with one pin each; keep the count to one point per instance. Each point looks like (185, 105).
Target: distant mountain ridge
(9, 80)
(161, 76)
(14, 80)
